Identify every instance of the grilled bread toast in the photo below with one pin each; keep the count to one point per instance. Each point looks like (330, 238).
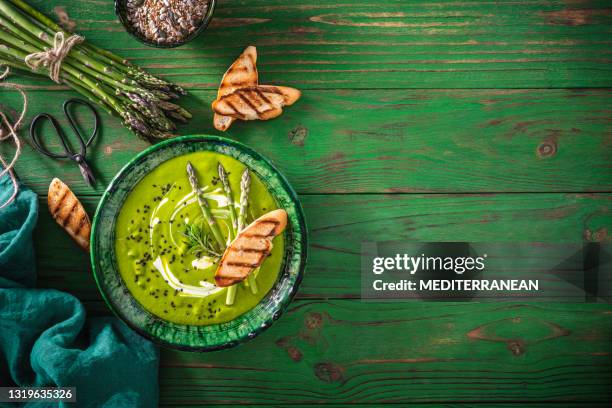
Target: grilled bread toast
(243, 72)
(261, 102)
(240, 96)
(68, 212)
(250, 248)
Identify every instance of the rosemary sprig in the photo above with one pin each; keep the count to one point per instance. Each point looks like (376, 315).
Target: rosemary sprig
(199, 242)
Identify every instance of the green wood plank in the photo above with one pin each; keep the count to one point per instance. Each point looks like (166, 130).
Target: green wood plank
(391, 141)
(391, 44)
(339, 223)
(411, 405)
(350, 351)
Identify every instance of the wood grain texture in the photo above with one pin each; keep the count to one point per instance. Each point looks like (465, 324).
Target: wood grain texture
(360, 352)
(392, 44)
(412, 405)
(339, 223)
(391, 141)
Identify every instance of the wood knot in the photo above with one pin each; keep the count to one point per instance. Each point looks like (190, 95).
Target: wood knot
(298, 135)
(547, 148)
(283, 342)
(516, 347)
(294, 353)
(329, 372)
(524, 332)
(64, 19)
(314, 320)
(572, 18)
(601, 235)
(598, 236)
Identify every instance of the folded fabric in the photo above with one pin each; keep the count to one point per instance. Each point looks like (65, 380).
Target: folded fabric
(45, 339)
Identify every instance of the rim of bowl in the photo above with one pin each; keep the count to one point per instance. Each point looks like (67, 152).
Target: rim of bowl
(120, 12)
(281, 305)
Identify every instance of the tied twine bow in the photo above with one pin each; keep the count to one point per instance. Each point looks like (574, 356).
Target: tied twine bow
(8, 130)
(52, 58)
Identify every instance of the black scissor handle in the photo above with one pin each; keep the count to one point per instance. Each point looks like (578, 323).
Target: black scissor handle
(68, 152)
(73, 122)
(40, 147)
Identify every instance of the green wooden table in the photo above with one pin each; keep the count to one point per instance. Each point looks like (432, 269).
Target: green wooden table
(430, 120)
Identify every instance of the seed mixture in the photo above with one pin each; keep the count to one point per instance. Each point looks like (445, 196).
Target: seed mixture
(166, 21)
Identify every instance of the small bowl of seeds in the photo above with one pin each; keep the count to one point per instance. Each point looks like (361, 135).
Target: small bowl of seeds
(165, 23)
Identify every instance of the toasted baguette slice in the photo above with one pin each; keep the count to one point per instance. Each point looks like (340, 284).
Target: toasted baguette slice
(243, 72)
(68, 212)
(221, 122)
(250, 248)
(261, 102)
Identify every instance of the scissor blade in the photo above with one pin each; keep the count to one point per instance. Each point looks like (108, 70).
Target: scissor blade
(87, 174)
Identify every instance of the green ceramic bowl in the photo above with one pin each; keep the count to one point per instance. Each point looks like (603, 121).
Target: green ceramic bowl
(187, 337)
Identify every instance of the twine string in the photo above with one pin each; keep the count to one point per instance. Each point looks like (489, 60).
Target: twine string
(9, 131)
(53, 58)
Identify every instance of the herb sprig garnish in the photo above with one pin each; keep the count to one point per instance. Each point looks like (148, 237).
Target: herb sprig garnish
(199, 242)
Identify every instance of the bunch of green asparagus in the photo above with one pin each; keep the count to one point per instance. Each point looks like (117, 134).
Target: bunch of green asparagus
(214, 243)
(140, 99)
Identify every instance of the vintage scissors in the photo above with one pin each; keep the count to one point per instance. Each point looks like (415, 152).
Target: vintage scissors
(78, 157)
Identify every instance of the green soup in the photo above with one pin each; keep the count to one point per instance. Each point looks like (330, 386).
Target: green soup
(153, 254)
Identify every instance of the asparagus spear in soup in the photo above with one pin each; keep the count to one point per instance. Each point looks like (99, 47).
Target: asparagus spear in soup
(208, 216)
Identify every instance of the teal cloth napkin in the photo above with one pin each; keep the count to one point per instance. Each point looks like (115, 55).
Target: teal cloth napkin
(45, 339)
